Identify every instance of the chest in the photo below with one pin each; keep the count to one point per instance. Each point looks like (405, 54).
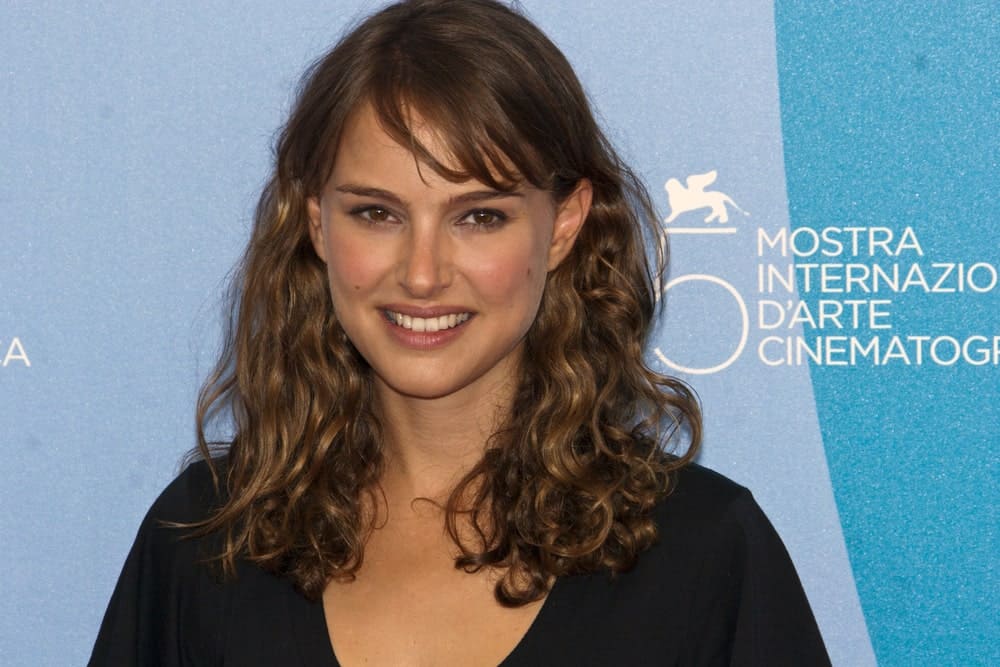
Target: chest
(409, 605)
(431, 617)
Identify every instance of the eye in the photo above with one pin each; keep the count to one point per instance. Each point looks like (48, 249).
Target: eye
(373, 214)
(485, 218)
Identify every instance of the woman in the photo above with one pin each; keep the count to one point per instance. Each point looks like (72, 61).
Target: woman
(447, 449)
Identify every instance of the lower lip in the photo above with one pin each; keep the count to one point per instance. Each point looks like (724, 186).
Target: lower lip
(425, 340)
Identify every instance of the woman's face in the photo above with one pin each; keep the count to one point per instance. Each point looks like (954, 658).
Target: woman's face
(436, 283)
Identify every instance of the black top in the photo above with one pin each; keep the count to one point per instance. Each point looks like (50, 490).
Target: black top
(717, 588)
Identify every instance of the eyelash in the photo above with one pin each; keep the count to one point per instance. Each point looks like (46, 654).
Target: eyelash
(498, 217)
(497, 220)
(364, 212)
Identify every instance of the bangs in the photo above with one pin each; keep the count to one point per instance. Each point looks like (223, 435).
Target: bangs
(467, 118)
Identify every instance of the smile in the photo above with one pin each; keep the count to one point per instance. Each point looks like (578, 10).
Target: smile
(427, 324)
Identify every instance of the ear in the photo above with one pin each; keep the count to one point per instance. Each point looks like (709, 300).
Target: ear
(570, 216)
(316, 226)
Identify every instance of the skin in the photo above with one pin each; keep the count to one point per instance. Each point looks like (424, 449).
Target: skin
(397, 237)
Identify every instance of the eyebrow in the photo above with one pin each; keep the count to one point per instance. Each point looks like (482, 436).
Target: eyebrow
(464, 198)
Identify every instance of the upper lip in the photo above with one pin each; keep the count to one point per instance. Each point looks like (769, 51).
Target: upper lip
(425, 311)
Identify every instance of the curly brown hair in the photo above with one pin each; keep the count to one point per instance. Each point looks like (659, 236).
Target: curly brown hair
(567, 483)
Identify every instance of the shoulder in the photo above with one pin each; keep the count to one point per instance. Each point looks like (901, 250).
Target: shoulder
(699, 484)
(168, 534)
(169, 543)
(702, 497)
(717, 587)
(715, 520)
(192, 495)
(747, 600)
(166, 599)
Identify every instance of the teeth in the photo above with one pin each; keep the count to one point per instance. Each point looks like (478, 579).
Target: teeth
(428, 324)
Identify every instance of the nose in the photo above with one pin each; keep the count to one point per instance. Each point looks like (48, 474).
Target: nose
(425, 267)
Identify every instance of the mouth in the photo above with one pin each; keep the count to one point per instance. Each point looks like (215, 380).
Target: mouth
(426, 324)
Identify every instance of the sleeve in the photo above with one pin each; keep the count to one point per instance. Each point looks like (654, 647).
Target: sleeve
(166, 608)
(760, 613)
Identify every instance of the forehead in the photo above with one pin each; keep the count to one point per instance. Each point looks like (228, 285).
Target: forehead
(370, 143)
(371, 163)
(365, 146)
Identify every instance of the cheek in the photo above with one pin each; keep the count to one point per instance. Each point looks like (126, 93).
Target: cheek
(513, 278)
(352, 265)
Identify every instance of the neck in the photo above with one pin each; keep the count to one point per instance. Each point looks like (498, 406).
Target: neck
(431, 443)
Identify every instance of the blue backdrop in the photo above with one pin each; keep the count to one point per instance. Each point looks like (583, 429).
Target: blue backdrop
(890, 118)
(859, 407)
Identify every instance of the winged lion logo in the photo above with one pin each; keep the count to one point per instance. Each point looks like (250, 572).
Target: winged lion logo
(693, 197)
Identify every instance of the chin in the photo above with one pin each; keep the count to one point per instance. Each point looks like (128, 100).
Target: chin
(417, 382)
(422, 390)
(439, 379)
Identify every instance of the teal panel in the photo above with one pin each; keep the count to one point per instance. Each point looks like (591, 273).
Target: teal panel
(891, 118)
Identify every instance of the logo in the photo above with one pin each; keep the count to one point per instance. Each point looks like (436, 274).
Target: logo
(694, 197)
(825, 296)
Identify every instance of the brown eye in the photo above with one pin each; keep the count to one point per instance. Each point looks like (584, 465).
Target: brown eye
(374, 215)
(485, 218)
(377, 214)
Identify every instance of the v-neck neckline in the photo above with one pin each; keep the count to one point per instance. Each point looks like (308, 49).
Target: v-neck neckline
(314, 642)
